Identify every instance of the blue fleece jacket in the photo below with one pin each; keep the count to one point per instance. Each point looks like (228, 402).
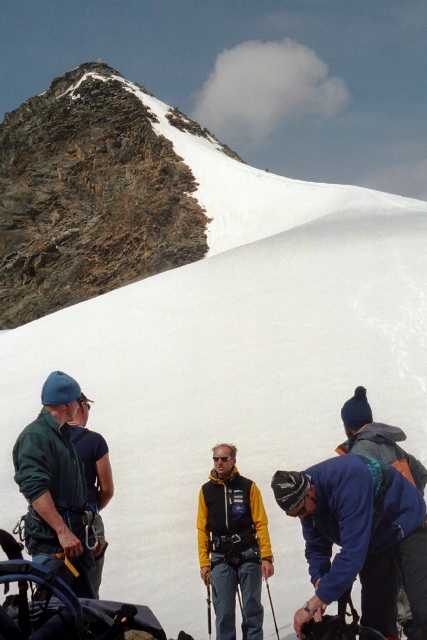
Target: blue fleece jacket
(347, 515)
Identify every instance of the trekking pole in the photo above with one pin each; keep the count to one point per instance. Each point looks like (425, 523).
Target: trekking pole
(208, 600)
(239, 595)
(272, 608)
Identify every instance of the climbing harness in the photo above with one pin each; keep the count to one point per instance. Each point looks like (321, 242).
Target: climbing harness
(234, 542)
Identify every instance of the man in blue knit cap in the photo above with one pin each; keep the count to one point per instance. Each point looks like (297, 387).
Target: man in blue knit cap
(50, 475)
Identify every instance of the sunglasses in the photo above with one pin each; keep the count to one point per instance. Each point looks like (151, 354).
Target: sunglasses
(222, 458)
(81, 402)
(300, 512)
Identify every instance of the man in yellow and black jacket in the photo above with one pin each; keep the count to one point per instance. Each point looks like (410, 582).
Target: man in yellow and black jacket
(234, 544)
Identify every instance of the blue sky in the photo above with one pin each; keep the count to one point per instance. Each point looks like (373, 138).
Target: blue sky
(324, 90)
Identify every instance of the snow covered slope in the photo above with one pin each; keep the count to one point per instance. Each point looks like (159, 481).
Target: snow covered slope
(247, 204)
(259, 346)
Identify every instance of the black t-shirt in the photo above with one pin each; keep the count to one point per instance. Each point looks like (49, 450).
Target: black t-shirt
(91, 447)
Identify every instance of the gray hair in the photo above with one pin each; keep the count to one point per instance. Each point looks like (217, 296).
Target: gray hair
(232, 447)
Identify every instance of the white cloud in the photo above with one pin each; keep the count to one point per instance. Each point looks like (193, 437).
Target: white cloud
(256, 85)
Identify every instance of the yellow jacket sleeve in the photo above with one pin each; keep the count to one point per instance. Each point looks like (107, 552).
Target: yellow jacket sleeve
(260, 520)
(202, 532)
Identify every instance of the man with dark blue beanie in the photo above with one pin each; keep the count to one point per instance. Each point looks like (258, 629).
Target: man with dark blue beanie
(357, 411)
(380, 441)
(377, 439)
(50, 475)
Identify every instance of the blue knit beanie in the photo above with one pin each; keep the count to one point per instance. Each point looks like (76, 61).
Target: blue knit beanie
(356, 412)
(60, 388)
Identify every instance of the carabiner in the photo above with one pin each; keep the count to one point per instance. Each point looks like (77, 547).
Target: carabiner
(88, 546)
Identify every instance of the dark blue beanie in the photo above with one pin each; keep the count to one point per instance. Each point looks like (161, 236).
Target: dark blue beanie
(60, 388)
(356, 412)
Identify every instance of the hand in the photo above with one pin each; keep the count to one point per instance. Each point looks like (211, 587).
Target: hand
(70, 543)
(300, 618)
(318, 616)
(205, 572)
(267, 569)
(46, 509)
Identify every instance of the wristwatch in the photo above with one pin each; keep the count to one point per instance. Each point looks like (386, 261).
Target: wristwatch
(308, 610)
(269, 559)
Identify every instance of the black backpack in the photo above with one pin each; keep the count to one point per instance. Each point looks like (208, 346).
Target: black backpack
(336, 627)
(331, 628)
(61, 614)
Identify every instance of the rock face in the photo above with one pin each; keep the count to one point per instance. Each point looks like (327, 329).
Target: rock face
(91, 198)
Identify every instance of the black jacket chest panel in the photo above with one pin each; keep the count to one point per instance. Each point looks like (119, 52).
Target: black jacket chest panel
(229, 509)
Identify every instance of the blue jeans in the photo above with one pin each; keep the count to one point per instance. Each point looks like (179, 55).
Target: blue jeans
(226, 577)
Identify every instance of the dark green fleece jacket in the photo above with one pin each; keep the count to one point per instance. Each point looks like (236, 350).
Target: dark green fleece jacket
(45, 460)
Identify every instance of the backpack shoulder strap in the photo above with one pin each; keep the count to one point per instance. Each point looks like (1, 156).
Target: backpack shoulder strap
(81, 435)
(23, 570)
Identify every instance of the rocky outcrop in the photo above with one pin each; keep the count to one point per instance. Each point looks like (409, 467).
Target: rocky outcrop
(91, 198)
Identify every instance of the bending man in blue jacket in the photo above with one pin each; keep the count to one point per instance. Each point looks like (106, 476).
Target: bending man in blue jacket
(366, 507)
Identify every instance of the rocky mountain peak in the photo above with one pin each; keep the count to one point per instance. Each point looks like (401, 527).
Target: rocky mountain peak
(91, 197)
